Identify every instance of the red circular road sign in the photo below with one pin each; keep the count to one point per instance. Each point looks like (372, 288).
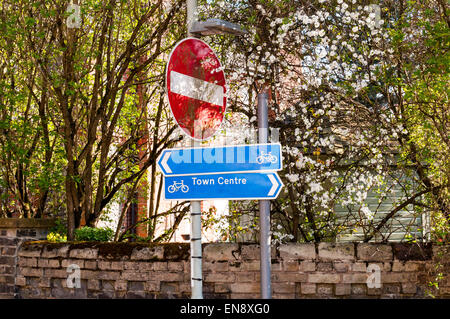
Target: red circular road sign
(196, 88)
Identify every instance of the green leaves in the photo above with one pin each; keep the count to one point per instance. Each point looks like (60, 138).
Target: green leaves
(103, 234)
(29, 21)
(94, 234)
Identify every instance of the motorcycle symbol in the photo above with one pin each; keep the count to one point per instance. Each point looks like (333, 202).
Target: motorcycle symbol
(262, 158)
(177, 186)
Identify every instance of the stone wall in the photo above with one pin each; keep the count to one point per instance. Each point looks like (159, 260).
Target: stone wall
(324, 270)
(14, 231)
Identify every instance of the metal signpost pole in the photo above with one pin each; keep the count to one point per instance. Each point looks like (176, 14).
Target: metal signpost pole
(196, 221)
(264, 205)
(196, 245)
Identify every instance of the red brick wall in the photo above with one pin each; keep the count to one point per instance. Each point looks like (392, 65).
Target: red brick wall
(142, 146)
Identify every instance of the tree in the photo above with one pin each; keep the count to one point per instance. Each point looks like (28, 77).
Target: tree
(358, 91)
(30, 150)
(420, 40)
(90, 71)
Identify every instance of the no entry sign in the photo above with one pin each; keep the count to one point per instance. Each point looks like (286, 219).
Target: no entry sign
(196, 88)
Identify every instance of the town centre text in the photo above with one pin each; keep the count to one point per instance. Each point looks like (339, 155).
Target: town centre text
(220, 180)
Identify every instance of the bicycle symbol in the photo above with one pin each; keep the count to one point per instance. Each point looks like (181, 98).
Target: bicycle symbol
(177, 186)
(266, 158)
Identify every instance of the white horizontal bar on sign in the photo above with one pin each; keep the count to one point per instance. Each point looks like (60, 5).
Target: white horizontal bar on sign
(195, 88)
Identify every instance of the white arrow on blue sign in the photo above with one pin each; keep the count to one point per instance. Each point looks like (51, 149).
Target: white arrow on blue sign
(222, 159)
(233, 186)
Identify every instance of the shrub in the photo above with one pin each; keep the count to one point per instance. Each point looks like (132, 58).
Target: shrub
(58, 233)
(56, 237)
(94, 234)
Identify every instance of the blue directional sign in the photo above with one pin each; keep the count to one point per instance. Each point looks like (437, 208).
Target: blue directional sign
(222, 159)
(238, 186)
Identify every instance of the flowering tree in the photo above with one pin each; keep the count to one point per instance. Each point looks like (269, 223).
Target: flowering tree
(361, 128)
